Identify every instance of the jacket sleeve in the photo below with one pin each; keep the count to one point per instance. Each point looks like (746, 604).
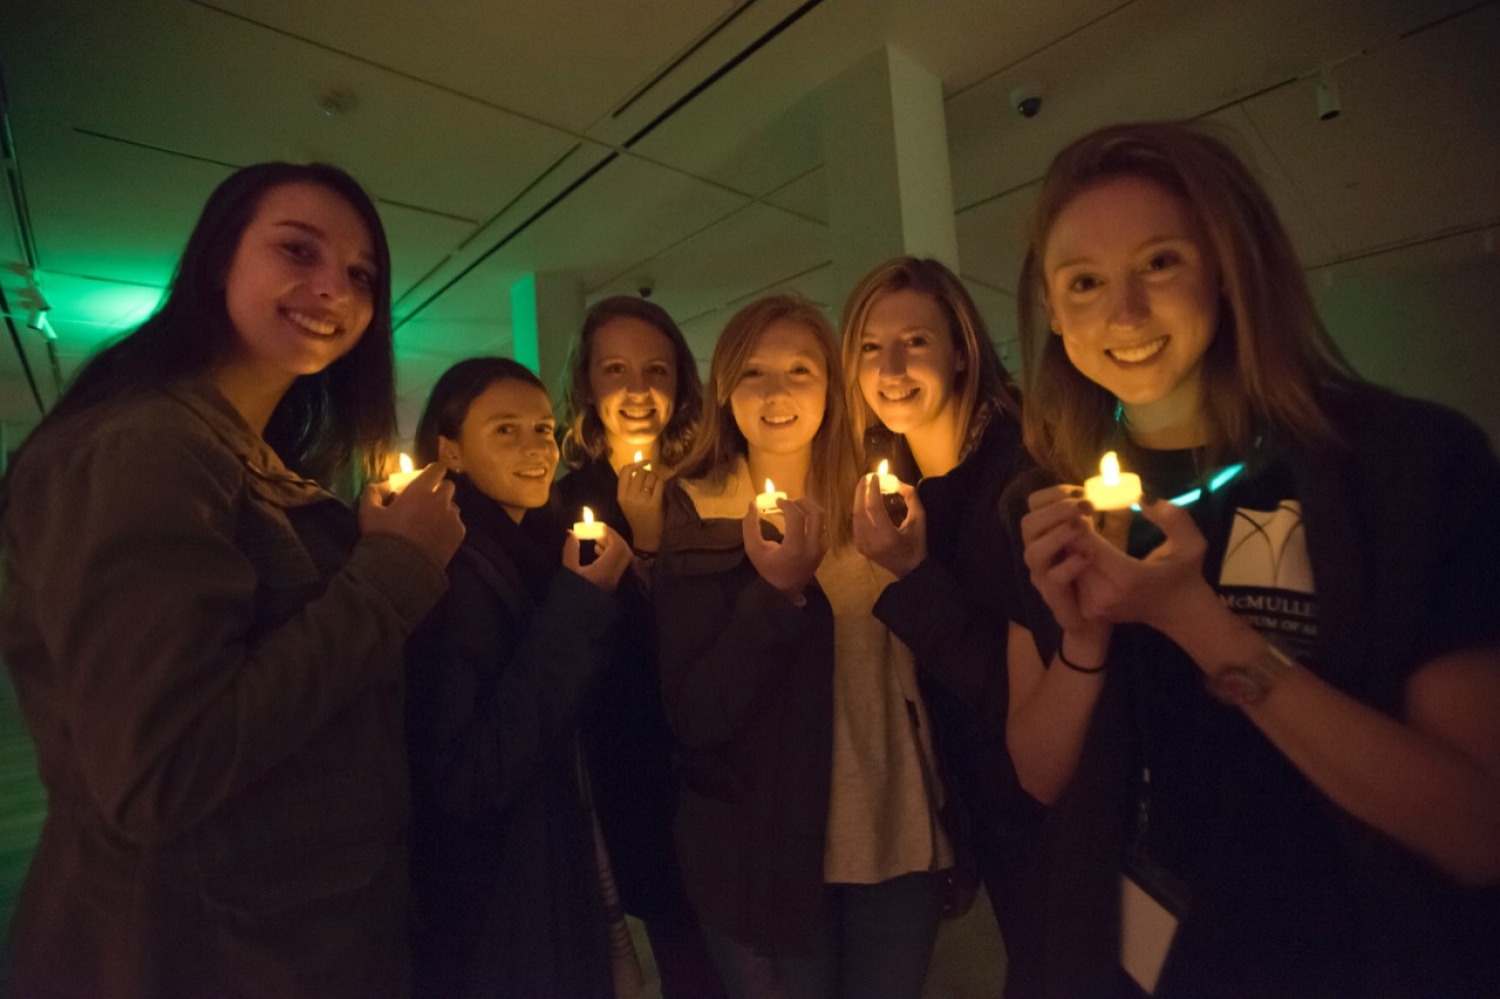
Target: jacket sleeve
(719, 648)
(146, 606)
(957, 635)
(488, 707)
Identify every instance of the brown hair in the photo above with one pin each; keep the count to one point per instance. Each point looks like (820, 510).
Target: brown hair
(1270, 357)
(584, 439)
(720, 444)
(981, 381)
(455, 391)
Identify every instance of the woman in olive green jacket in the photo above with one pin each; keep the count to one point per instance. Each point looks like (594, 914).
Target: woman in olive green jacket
(205, 642)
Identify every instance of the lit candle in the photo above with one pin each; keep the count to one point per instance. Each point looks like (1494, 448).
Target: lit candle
(400, 480)
(1112, 489)
(589, 529)
(766, 501)
(646, 467)
(895, 503)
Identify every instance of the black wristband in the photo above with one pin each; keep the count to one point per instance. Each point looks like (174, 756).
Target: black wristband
(1091, 670)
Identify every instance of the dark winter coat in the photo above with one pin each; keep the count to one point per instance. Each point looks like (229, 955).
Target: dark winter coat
(505, 883)
(625, 732)
(747, 682)
(207, 654)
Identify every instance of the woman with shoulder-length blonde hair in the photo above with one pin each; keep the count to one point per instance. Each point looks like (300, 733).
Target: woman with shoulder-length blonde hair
(1266, 726)
(928, 392)
(632, 403)
(807, 827)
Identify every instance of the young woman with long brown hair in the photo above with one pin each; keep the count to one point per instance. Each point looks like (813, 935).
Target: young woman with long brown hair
(928, 392)
(1266, 727)
(205, 641)
(808, 828)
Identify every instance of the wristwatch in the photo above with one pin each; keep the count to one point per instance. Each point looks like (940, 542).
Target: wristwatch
(1246, 684)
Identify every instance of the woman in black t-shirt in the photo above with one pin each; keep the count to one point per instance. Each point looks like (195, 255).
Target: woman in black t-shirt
(1266, 726)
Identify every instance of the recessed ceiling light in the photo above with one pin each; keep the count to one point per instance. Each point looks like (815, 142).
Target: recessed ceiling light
(337, 102)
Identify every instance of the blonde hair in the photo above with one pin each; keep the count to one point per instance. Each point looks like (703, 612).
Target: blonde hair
(1270, 358)
(719, 444)
(981, 379)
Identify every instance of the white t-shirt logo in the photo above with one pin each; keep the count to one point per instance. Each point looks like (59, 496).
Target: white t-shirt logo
(1268, 548)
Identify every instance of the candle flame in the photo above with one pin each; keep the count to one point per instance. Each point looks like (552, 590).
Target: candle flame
(884, 469)
(588, 515)
(1109, 468)
(638, 456)
(770, 486)
(406, 465)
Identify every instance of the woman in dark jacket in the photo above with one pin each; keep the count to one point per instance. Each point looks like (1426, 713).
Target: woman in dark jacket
(632, 403)
(206, 641)
(505, 876)
(808, 828)
(928, 393)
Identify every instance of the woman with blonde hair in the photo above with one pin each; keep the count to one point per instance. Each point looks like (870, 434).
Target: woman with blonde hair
(632, 403)
(808, 825)
(1266, 727)
(928, 392)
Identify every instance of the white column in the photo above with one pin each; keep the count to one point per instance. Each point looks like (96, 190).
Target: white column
(546, 312)
(890, 190)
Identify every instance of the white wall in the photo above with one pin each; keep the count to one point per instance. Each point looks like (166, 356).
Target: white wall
(1424, 322)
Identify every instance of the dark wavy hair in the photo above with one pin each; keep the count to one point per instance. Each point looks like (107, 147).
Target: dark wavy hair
(720, 443)
(982, 387)
(584, 439)
(327, 423)
(1270, 359)
(455, 391)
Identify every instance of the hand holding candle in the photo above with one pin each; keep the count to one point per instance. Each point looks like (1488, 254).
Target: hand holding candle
(1112, 489)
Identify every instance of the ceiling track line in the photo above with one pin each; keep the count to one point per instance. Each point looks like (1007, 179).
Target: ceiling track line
(1037, 51)
(20, 213)
(686, 54)
(723, 71)
(971, 279)
(454, 92)
(480, 228)
(168, 151)
(508, 237)
(1444, 19)
(758, 292)
(150, 147)
(676, 106)
(1406, 244)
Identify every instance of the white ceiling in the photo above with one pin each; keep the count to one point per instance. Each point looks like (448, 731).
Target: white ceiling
(681, 140)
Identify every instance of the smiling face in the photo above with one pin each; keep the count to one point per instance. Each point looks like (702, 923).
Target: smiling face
(632, 380)
(300, 288)
(1133, 291)
(506, 445)
(782, 391)
(908, 364)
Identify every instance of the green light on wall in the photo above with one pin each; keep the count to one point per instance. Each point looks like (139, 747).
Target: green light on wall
(526, 335)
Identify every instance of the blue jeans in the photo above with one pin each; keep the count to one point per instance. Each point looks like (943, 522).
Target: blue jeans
(873, 942)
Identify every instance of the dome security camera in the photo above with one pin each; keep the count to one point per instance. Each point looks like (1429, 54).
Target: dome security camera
(1027, 100)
